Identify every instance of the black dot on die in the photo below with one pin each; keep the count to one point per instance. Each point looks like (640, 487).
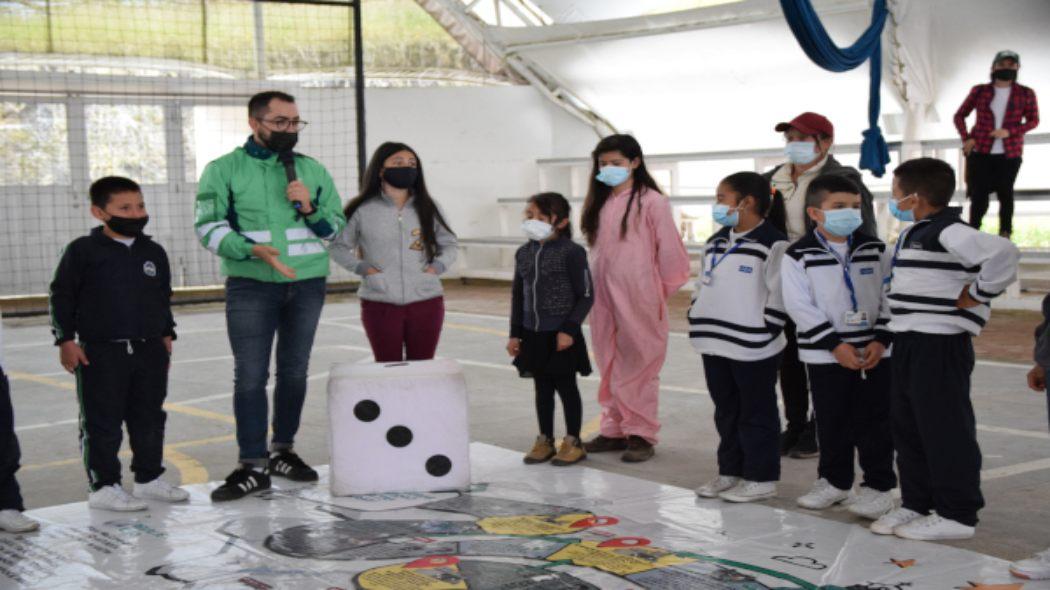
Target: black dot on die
(438, 465)
(366, 410)
(399, 436)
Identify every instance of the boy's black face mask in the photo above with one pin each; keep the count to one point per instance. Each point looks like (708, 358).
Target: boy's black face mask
(127, 226)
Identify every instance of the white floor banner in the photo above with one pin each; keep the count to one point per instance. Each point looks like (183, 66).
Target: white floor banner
(519, 526)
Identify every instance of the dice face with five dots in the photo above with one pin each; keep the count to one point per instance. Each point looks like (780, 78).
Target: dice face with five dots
(398, 428)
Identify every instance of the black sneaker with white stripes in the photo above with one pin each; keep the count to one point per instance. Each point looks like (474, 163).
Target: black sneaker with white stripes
(288, 464)
(240, 483)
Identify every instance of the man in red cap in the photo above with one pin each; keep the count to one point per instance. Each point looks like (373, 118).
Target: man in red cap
(809, 138)
(1006, 111)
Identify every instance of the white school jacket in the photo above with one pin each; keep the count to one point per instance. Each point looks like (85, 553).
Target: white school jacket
(738, 312)
(817, 298)
(936, 259)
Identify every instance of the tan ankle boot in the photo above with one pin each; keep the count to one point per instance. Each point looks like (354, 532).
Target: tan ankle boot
(542, 450)
(571, 451)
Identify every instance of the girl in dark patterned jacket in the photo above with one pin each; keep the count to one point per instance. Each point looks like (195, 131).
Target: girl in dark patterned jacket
(551, 297)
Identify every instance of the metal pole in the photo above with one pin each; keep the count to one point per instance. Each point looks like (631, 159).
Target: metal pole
(204, 31)
(260, 40)
(359, 90)
(50, 30)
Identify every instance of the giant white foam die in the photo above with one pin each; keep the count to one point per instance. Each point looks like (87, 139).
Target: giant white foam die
(398, 427)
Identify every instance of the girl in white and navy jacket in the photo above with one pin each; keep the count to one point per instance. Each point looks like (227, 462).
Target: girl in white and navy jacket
(736, 324)
(833, 279)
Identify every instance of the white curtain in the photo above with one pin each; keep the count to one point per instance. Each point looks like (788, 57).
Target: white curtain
(912, 61)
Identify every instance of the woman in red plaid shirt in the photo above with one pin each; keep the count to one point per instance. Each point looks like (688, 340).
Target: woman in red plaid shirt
(1006, 111)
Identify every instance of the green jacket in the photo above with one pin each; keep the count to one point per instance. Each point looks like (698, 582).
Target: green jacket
(241, 202)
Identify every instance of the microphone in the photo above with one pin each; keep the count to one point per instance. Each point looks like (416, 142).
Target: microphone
(288, 159)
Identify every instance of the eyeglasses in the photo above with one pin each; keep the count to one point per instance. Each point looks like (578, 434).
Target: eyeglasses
(282, 124)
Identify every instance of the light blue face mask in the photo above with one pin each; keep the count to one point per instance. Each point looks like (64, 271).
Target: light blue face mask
(613, 175)
(842, 222)
(800, 152)
(905, 216)
(722, 216)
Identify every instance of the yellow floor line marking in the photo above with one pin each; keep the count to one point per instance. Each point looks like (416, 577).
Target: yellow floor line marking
(125, 454)
(190, 469)
(177, 408)
(590, 428)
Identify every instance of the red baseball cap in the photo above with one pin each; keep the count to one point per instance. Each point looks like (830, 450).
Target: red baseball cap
(810, 124)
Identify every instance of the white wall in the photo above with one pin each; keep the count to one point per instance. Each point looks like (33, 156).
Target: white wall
(476, 144)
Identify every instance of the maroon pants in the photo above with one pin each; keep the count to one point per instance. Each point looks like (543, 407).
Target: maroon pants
(403, 332)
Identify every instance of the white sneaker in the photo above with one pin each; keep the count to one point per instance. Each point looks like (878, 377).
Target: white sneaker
(871, 503)
(1036, 567)
(716, 486)
(934, 528)
(893, 519)
(113, 497)
(13, 521)
(750, 491)
(822, 495)
(160, 490)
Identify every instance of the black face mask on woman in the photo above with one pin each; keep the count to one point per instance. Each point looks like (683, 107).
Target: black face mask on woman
(401, 177)
(1005, 75)
(127, 226)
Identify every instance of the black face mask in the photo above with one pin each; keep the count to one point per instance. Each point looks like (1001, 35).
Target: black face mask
(282, 141)
(127, 226)
(1005, 75)
(402, 177)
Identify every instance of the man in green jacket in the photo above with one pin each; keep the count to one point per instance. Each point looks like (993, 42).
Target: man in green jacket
(269, 233)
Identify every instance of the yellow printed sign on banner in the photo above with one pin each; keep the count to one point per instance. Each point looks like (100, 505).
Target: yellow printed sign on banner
(622, 557)
(429, 573)
(535, 525)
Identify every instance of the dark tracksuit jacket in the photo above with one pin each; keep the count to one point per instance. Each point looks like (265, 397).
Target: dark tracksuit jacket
(116, 300)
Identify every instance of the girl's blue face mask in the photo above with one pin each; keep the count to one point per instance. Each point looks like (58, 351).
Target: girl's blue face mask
(613, 175)
(720, 213)
(905, 216)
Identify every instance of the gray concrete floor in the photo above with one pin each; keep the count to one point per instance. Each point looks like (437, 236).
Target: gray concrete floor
(200, 445)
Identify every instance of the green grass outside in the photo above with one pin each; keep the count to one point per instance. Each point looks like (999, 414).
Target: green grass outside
(398, 33)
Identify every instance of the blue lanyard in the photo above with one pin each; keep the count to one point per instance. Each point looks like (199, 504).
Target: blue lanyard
(845, 266)
(715, 260)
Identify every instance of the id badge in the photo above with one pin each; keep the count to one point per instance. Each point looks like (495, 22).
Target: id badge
(857, 319)
(707, 279)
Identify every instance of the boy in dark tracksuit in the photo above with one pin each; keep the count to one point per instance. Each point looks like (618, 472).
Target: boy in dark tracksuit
(11, 518)
(945, 273)
(112, 290)
(833, 285)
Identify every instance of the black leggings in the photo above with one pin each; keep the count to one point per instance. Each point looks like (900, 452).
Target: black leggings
(570, 402)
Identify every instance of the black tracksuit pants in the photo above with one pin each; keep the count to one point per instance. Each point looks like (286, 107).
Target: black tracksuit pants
(10, 453)
(794, 387)
(125, 383)
(853, 414)
(934, 430)
(745, 397)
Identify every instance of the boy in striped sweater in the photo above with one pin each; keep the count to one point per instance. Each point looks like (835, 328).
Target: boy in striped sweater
(945, 274)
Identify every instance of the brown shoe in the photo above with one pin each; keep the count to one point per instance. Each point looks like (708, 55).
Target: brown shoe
(571, 451)
(638, 450)
(604, 444)
(542, 450)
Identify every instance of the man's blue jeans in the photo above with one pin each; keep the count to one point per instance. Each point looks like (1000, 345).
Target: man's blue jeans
(255, 312)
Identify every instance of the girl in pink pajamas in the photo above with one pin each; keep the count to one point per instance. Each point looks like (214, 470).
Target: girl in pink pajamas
(637, 261)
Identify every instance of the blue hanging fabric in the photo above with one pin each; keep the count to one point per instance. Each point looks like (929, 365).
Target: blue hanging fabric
(819, 47)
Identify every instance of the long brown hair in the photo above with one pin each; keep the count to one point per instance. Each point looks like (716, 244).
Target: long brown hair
(598, 192)
(426, 210)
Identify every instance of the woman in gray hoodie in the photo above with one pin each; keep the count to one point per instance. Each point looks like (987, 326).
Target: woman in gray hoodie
(397, 240)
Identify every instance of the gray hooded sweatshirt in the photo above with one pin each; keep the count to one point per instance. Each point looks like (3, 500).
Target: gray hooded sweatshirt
(380, 236)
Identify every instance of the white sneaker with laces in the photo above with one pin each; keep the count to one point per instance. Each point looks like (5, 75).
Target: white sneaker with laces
(893, 519)
(113, 497)
(1036, 567)
(750, 491)
(160, 490)
(934, 528)
(716, 486)
(13, 521)
(822, 495)
(872, 504)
